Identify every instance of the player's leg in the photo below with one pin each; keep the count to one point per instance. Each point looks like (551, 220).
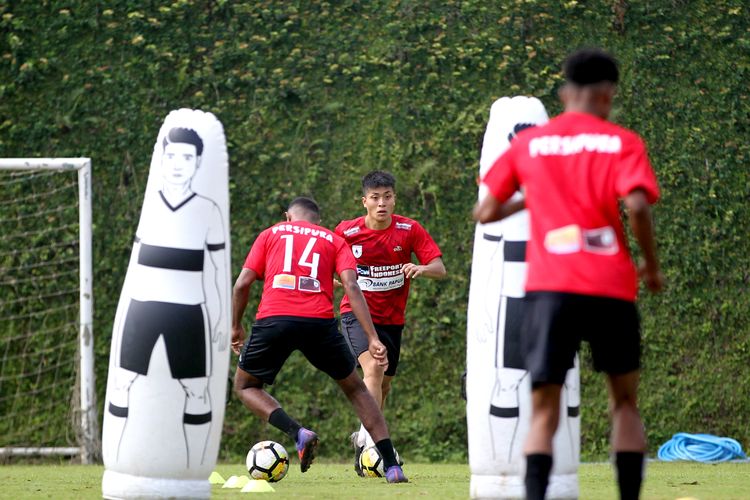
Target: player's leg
(270, 343)
(373, 376)
(628, 435)
(616, 351)
(372, 419)
(377, 379)
(329, 352)
(357, 340)
(549, 342)
(545, 415)
(249, 390)
(390, 336)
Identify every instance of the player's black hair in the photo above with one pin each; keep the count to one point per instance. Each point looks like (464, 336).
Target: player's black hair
(377, 179)
(590, 66)
(307, 204)
(187, 135)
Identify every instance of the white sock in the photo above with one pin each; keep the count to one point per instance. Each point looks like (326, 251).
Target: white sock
(363, 438)
(361, 435)
(368, 439)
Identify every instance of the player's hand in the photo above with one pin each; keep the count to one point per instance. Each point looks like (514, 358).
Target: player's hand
(651, 276)
(238, 339)
(337, 283)
(412, 270)
(378, 352)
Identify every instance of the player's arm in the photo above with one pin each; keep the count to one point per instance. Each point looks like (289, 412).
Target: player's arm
(362, 313)
(490, 209)
(240, 294)
(642, 225)
(434, 269)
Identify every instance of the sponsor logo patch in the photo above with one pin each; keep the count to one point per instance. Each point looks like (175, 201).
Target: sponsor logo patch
(308, 284)
(285, 281)
(363, 270)
(381, 284)
(602, 240)
(563, 240)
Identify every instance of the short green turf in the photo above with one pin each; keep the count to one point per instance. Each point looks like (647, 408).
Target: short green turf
(664, 481)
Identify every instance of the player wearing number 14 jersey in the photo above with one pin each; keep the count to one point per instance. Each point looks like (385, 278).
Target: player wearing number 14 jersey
(297, 260)
(383, 244)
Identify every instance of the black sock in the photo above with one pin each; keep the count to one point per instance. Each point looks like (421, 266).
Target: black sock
(629, 466)
(385, 447)
(538, 467)
(283, 422)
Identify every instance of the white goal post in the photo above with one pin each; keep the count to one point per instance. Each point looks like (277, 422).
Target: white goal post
(87, 435)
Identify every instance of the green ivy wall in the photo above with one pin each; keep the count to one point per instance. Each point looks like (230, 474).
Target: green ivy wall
(313, 94)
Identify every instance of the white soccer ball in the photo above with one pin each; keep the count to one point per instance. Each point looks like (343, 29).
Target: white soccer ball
(267, 460)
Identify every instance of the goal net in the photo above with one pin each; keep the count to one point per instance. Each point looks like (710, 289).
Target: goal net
(47, 394)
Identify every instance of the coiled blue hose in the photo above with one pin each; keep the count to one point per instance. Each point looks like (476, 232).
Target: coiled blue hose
(700, 448)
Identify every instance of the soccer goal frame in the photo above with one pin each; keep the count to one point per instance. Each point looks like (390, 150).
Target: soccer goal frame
(88, 448)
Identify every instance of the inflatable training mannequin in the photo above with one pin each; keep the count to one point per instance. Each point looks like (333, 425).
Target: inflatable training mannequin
(497, 389)
(167, 379)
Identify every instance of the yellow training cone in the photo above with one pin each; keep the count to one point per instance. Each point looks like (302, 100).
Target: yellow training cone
(258, 486)
(215, 478)
(236, 482)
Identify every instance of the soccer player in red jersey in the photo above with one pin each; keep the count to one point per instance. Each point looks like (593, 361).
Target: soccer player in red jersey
(581, 282)
(297, 260)
(383, 244)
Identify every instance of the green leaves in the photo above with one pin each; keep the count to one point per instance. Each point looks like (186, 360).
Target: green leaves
(312, 95)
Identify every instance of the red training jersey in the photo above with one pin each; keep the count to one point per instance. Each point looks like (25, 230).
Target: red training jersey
(380, 253)
(297, 261)
(574, 170)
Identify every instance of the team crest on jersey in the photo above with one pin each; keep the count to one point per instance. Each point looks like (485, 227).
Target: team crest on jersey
(357, 250)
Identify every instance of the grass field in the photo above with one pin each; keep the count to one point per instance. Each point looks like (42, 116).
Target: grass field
(664, 481)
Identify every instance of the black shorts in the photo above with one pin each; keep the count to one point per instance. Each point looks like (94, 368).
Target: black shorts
(274, 338)
(184, 329)
(389, 335)
(555, 323)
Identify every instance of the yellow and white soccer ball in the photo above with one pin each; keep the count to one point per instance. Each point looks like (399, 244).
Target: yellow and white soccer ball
(267, 460)
(371, 462)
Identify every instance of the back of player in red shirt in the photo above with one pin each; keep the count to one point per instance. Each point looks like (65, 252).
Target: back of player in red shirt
(573, 170)
(297, 261)
(582, 284)
(381, 254)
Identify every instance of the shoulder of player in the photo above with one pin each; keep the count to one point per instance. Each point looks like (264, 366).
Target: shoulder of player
(401, 223)
(571, 124)
(350, 227)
